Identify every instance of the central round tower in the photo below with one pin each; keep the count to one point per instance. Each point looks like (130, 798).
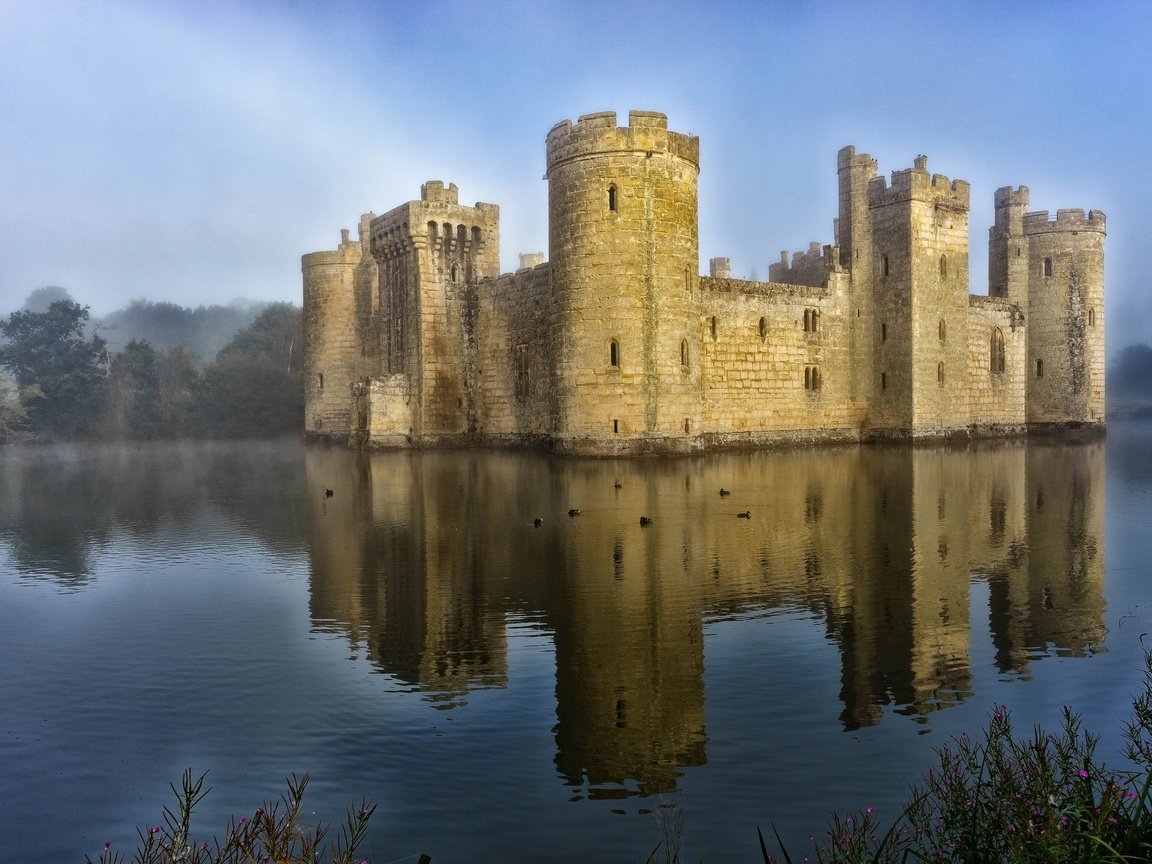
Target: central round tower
(624, 251)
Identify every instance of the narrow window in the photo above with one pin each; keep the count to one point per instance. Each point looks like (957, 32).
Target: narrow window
(612, 197)
(614, 354)
(455, 273)
(615, 426)
(684, 353)
(883, 380)
(815, 320)
(1091, 317)
(807, 378)
(1047, 266)
(687, 426)
(807, 315)
(815, 377)
(943, 266)
(1039, 368)
(763, 327)
(883, 331)
(321, 380)
(940, 373)
(883, 266)
(713, 326)
(943, 330)
(997, 359)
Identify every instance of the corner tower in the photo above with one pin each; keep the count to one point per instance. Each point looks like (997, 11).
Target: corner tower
(339, 332)
(624, 249)
(1065, 318)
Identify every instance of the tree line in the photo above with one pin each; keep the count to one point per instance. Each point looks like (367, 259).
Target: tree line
(67, 384)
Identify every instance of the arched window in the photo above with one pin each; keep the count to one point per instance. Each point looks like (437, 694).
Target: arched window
(940, 373)
(684, 353)
(1091, 317)
(612, 197)
(996, 360)
(815, 320)
(815, 377)
(943, 329)
(614, 354)
(1047, 267)
(1039, 368)
(807, 378)
(455, 273)
(763, 327)
(807, 316)
(943, 266)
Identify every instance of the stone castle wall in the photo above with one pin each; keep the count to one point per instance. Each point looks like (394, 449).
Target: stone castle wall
(615, 344)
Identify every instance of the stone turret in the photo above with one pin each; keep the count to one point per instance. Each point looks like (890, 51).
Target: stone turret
(623, 245)
(920, 302)
(1065, 317)
(339, 324)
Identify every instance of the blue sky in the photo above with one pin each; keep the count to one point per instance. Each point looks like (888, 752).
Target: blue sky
(192, 151)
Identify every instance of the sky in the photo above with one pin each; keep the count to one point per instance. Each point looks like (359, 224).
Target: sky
(191, 152)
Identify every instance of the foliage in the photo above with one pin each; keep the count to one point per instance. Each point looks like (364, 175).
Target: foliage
(48, 351)
(204, 330)
(1000, 798)
(275, 832)
(40, 299)
(256, 385)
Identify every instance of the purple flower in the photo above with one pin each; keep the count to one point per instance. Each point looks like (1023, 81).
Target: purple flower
(1083, 773)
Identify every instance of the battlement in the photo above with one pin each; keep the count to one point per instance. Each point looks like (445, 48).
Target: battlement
(807, 268)
(1065, 220)
(646, 132)
(348, 252)
(847, 157)
(1006, 196)
(434, 190)
(435, 218)
(917, 184)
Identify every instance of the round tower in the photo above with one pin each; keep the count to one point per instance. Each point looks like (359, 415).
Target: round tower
(624, 252)
(337, 325)
(1065, 318)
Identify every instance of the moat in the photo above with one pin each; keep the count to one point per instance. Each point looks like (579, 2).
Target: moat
(501, 688)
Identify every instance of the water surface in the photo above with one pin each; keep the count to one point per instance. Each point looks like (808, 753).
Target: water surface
(507, 691)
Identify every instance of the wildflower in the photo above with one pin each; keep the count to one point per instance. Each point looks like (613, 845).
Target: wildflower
(1083, 773)
(107, 846)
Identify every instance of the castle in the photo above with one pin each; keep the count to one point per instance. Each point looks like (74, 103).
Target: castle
(617, 345)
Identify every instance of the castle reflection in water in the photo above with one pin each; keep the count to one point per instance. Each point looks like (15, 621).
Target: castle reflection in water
(423, 559)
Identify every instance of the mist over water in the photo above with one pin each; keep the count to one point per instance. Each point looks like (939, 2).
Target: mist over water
(500, 687)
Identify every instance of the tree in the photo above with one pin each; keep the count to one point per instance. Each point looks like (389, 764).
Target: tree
(40, 299)
(48, 350)
(256, 385)
(132, 398)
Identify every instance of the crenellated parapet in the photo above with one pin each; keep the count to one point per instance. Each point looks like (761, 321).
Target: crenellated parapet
(916, 184)
(439, 223)
(1070, 220)
(806, 268)
(646, 132)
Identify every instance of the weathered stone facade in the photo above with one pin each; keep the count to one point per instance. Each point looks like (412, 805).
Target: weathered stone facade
(617, 345)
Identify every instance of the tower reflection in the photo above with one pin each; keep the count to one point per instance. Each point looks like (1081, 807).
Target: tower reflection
(420, 559)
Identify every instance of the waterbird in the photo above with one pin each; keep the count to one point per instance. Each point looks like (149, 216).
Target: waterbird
(644, 520)
(747, 514)
(328, 493)
(537, 521)
(619, 485)
(575, 511)
(724, 492)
